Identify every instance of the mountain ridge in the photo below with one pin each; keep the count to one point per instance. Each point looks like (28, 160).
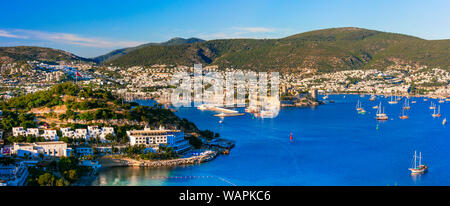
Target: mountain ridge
(325, 50)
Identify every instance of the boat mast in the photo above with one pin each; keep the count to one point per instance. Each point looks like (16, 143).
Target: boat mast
(420, 159)
(415, 158)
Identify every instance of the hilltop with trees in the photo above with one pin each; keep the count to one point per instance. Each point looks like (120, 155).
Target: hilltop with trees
(324, 50)
(74, 106)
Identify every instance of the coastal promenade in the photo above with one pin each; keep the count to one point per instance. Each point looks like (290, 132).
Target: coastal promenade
(118, 161)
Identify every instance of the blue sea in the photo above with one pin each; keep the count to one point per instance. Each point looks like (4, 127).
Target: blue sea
(332, 145)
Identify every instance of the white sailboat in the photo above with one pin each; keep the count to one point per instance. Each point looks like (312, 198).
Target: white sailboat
(432, 106)
(418, 168)
(380, 114)
(406, 105)
(437, 114)
(359, 106)
(393, 100)
(404, 116)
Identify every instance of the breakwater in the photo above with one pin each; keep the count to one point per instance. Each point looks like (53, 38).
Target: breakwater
(117, 161)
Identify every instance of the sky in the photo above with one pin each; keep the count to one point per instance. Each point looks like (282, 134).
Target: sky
(91, 28)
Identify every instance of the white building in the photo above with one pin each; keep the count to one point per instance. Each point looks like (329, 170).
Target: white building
(52, 149)
(66, 132)
(17, 131)
(81, 133)
(106, 131)
(94, 131)
(155, 138)
(33, 132)
(50, 134)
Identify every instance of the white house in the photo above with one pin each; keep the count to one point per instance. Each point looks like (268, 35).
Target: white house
(17, 131)
(54, 149)
(106, 131)
(33, 132)
(94, 131)
(81, 133)
(50, 134)
(155, 138)
(66, 132)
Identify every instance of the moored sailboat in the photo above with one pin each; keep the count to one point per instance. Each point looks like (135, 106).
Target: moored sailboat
(432, 106)
(359, 106)
(418, 168)
(406, 105)
(380, 114)
(393, 100)
(404, 116)
(437, 114)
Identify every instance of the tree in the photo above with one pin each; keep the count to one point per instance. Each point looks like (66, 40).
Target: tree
(47, 179)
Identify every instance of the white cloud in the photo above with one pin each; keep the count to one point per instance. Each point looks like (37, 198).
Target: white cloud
(67, 38)
(7, 34)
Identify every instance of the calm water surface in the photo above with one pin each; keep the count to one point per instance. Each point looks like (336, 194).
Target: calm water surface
(333, 145)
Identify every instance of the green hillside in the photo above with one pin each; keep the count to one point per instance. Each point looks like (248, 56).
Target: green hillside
(120, 52)
(325, 50)
(28, 53)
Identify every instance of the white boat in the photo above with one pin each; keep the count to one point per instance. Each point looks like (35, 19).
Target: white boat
(418, 168)
(404, 116)
(406, 105)
(393, 100)
(380, 114)
(359, 106)
(266, 114)
(444, 121)
(438, 114)
(432, 106)
(372, 98)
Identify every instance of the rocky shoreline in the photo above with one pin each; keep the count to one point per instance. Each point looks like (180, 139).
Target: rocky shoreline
(118, 161)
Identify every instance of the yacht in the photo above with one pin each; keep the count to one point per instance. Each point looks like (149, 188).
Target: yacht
(437, 114)
(432, 106)
(406, 105)
(380, 114)
(418, 168)
(393, 100)
(404, 116)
